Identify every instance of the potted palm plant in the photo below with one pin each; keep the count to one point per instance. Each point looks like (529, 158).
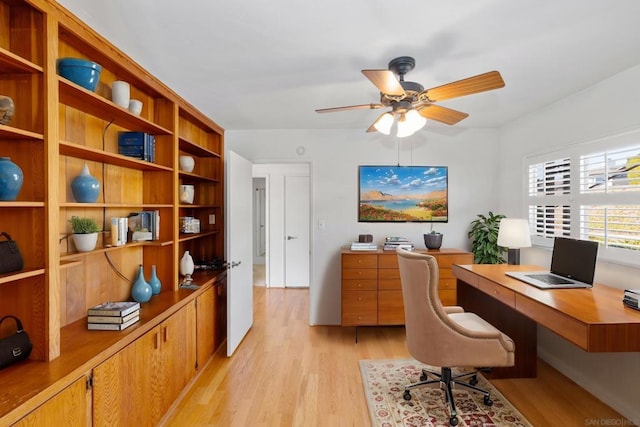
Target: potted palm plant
(85, 233)
(484, 239)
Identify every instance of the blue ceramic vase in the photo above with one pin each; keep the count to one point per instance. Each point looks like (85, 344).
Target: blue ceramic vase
(141, 290)
(85, 188)
(10, 179)
(154, 282)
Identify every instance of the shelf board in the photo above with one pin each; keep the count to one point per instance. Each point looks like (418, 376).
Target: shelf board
(82, 152)
(12, 63)
(21, 204)
(196, 177)
(195, 149)
(115, 205)
(196, 206)
(9, 132)
(82, 99)
(188, 236)
(76, 256)
(21, 274)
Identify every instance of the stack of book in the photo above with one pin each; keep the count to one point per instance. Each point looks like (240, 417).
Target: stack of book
(139, 145)
(392, 243)
(631, 298)
(113, 316)
(361, 246)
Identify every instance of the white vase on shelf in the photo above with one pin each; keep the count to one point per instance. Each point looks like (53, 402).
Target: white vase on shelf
(186, 264)
(187, 163)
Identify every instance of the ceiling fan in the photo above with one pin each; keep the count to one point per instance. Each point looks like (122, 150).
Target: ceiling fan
(411, 105)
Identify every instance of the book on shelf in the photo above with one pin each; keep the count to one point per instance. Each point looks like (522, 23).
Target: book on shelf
(113, 319)
(112, 326)
(139, 145)
(145, 221)
(116, 308)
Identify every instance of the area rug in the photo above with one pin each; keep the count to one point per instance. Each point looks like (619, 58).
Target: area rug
(384, 382)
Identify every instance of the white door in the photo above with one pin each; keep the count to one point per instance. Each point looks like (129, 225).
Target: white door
(296, 231)
(239, 249)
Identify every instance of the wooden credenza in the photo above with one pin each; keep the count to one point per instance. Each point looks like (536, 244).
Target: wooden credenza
(371, 290)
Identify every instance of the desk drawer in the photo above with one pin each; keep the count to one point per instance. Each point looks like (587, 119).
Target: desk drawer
(359, 261)
(359, 273)
(502, 294)
(359, 284)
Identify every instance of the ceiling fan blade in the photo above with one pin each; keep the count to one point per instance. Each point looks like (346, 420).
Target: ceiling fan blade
(385, 81)
(442, 114)
(350, 107)
(480, 83)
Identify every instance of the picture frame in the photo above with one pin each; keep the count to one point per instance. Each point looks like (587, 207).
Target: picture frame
(403, 193)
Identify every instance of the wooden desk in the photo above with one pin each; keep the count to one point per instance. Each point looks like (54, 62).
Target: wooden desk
(593, 319)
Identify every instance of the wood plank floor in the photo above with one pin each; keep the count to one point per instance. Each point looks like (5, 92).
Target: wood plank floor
(286, 373)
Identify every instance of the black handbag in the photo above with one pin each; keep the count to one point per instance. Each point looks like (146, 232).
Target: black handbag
(10, 257)
(16, 346)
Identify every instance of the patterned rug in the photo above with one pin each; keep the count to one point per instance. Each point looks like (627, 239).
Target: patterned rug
(384, 382)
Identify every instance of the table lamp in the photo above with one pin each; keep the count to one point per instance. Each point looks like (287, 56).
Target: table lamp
(513, 235)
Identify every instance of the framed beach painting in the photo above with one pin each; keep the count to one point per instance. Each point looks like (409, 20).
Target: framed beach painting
(403, 194)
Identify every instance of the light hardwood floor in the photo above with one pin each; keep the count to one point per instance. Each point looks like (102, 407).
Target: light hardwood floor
(286, 373)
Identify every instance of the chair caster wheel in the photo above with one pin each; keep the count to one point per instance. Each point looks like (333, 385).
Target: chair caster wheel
(473, 380)
(423, 377)
(487, 401)
(407, 395)
(453, 421)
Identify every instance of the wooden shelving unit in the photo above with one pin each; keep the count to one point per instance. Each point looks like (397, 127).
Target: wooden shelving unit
(57, 128)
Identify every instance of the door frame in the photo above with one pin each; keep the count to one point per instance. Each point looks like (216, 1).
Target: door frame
(268, 170)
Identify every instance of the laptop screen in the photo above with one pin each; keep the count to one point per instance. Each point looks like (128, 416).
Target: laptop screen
(574, 258)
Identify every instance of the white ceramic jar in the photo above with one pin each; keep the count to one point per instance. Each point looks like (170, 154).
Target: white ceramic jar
(187, 163)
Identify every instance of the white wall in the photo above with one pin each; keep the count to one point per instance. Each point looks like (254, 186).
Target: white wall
(335, 155)
(607, 108)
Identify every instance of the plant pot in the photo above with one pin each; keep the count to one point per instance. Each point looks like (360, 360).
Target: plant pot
(433, 240)
(85, 242)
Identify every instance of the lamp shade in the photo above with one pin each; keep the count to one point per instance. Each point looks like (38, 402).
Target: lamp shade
(383, 123)
(514, 233)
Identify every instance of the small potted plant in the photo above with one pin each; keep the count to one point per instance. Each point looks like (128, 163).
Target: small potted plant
(85, 233)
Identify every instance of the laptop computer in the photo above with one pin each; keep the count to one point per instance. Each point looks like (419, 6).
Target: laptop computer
(573, 264)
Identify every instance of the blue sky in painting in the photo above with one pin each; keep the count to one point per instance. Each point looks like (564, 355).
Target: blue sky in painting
(403, 179)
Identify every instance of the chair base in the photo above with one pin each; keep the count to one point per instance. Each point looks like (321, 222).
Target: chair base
(446, 380)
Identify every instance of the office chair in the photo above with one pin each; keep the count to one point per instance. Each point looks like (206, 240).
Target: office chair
(446, 336)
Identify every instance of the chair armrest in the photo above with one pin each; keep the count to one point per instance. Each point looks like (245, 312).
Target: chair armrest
(453, 309)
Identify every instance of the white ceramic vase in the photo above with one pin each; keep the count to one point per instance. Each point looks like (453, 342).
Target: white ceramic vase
(120, 93)
(187, 163)
(186, 264)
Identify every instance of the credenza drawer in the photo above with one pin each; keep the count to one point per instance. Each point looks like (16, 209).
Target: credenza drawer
(359, 308)
(359, 261)
(389, 279)
(388, 261)
(359, 273)
(390, 308)
(446, 261)
(447, 283)
(359, 284)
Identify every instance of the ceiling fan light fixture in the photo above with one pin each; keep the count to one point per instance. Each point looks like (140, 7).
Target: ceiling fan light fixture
(384, 123)
(404, 126)
(416, 121)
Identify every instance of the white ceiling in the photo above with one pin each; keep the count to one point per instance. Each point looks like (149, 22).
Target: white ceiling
(269, 64)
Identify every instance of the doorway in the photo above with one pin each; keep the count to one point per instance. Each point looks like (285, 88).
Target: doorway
(286, 217)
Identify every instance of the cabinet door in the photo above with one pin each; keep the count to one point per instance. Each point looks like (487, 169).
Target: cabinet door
(390, 307)
(177, 367)
(127, 386)
(205, 327)
(70, 405)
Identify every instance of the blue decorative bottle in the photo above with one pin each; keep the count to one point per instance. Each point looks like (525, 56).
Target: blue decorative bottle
(141, 290)
(10, 179)
(154, 282)
(85, 188)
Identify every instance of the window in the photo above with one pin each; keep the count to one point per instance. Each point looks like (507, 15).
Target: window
(590, 191)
